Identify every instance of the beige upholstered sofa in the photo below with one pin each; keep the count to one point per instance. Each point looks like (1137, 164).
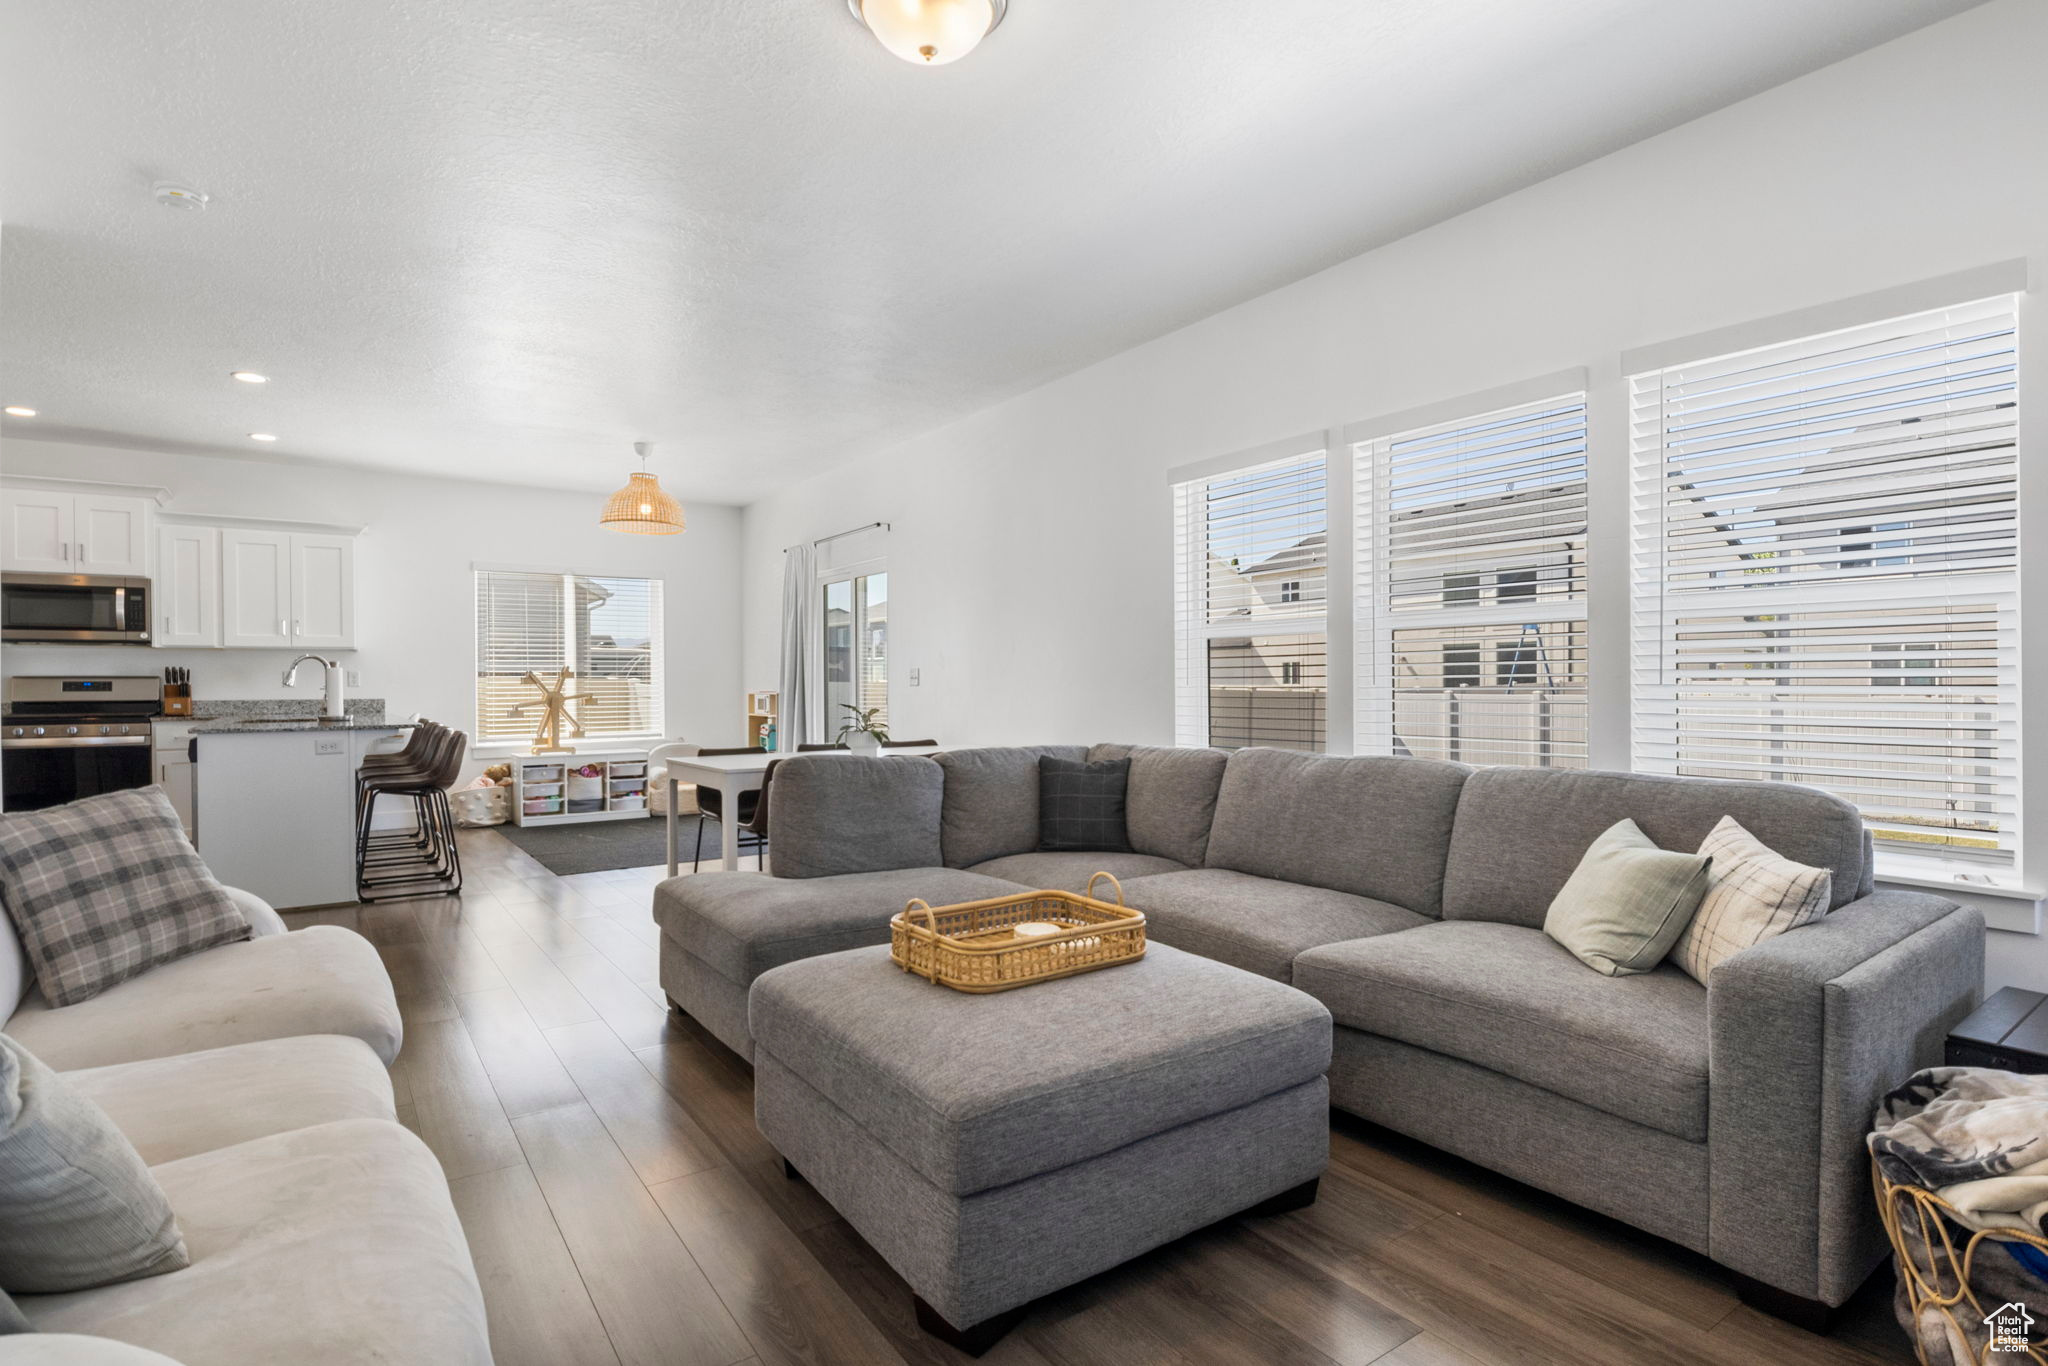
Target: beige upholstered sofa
(252, 1079)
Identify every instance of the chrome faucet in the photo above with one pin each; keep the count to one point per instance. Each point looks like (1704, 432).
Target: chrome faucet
(330, 676)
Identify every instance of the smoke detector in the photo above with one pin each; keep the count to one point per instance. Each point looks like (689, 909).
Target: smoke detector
(174, 196)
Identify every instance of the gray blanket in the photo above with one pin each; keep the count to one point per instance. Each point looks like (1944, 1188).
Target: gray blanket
(1979, 1140)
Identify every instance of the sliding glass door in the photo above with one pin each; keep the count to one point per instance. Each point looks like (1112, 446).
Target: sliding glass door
(856, 649)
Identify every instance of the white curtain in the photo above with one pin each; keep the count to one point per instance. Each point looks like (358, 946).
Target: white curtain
(799, 711)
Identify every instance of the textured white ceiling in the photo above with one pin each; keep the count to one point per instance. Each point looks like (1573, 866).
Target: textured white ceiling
(506, 238)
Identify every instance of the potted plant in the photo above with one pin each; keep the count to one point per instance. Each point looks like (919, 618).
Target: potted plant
(863, 734)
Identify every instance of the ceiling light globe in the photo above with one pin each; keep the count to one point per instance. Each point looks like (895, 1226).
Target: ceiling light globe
(929, 32)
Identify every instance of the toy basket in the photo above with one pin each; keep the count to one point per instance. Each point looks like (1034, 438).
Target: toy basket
(976, 947)
(1934, 1254)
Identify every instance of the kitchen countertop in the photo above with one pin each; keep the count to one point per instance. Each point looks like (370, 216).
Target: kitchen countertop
(240, 725)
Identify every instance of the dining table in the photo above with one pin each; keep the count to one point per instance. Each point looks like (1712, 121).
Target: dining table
(732, 775)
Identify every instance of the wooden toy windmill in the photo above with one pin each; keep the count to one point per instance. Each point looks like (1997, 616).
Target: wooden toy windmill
(548, 738)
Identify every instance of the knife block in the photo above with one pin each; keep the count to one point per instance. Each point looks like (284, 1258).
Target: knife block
(177, 699)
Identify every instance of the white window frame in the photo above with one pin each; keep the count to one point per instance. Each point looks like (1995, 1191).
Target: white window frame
(499, 745)
(1192, 631)
(1650, 661)
(1374, 619)
(846, 571)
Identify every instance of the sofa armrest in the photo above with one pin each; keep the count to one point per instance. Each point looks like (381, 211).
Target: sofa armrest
(262, 919)
(1807, 1031)
(848, 813)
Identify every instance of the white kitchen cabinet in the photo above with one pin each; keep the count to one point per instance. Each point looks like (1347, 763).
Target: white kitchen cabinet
(188, 586)
(51, 531)
(112, 535)
(256, 589)
(323, 592)
(255, 586)
(35, 531)
(173, 759)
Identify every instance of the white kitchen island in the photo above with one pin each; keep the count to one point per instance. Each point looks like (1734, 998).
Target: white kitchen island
(276, 805)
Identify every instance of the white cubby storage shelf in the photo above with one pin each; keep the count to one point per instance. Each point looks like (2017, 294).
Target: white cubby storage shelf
(548, 790)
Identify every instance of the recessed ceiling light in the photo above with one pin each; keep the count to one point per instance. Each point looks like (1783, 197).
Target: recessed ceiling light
(248, 377)
(21, 412)
(175, 196)
(262, 436)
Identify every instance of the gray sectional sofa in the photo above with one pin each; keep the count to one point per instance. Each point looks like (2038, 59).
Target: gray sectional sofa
(1408, 897)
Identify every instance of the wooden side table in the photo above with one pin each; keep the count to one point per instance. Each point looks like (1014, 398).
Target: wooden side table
(2008, 1032)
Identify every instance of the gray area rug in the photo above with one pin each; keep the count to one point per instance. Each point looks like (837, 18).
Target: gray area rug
(597, 846)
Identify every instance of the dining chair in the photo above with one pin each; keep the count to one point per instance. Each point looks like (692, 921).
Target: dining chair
(711, 805)
(657, 776)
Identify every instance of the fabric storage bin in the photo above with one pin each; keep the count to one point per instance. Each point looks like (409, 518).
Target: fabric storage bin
(482, 805)
(581, 805)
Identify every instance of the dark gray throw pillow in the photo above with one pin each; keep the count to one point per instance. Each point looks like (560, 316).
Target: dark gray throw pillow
(77, 1206)
(105, 889)
(1081, 805)
(12, 1320)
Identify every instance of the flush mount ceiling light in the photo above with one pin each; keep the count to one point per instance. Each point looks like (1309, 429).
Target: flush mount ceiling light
(641, 508)
(929, 32)
(248, 377)
(263, 436)
(20, 412)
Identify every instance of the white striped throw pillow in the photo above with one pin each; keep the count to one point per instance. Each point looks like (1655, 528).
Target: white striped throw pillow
(1753, 893)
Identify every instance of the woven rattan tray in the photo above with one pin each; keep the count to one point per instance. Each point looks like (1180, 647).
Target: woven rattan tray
(975, 947)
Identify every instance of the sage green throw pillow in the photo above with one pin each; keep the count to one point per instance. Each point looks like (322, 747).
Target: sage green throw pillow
(78, 1208)
(1627, 902)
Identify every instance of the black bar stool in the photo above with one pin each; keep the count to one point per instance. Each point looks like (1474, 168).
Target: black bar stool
(424, 861)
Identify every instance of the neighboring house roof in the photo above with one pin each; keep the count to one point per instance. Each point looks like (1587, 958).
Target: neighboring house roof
(1310, 552)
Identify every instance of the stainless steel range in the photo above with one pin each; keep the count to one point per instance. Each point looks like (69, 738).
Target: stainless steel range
(66, 738)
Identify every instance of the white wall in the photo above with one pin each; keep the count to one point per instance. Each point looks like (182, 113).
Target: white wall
(1029, 557)
(415, 603)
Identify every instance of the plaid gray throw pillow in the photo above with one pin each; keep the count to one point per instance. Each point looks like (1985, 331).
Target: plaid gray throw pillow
(106, 888)
(1753, 893)
(1081, 805)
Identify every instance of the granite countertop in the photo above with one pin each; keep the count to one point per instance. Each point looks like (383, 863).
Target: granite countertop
(286, 715)
(242, 725)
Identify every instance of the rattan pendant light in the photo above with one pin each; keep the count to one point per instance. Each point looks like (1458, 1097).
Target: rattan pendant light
(641, 507)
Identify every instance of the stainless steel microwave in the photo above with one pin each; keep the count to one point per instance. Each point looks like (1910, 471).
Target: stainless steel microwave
(74, 609)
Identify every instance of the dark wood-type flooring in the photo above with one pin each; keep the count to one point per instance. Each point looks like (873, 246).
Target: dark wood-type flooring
(623, 1209)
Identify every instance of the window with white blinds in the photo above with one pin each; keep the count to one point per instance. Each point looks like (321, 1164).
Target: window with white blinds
(1470, 592)
(1824, 568)
(1251, 550)
(608, 630)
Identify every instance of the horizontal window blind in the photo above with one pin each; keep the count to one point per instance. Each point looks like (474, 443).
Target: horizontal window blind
(1251, 589)
(1824, 573)
(1507, 694)
(1470, 601)
(608, 630)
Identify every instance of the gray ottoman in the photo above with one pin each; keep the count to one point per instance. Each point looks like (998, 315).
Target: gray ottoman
(996, 1148)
